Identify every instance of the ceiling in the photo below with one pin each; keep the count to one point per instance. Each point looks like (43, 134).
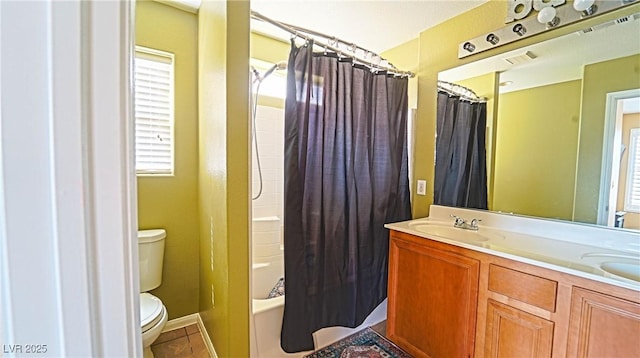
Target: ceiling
(376, 25)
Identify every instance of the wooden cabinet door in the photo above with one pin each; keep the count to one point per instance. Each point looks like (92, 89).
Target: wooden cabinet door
(603, 326)
(432, 303)
(514, 333)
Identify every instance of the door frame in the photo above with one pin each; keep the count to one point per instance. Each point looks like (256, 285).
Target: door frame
(69, 281)
(609, 172)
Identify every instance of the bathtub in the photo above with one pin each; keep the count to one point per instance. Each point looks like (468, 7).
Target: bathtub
(267, 312)
(267, 315)
(266, 322)
(267, 269)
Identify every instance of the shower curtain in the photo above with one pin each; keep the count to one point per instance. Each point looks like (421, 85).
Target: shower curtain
(461, 169)
(345, 177)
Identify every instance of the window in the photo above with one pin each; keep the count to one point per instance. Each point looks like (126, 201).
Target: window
(153, 98)
(632, 193)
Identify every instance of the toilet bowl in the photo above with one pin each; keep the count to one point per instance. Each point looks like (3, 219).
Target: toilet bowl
(153, 314)
(153, 317)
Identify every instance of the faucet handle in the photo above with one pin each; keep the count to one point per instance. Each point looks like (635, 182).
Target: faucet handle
(459, 220)
(474, 223)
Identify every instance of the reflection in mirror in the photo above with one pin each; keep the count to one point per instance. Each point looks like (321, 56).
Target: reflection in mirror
(558, 136)
(460, 167)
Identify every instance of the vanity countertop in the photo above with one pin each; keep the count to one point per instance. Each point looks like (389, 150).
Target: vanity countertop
(589, 251)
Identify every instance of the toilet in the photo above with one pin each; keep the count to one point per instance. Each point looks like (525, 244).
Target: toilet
(153, 314)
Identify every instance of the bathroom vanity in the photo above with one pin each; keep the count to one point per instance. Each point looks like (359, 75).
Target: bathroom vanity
(516, 287)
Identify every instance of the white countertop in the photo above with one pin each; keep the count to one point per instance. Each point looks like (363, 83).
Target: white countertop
(577, 249)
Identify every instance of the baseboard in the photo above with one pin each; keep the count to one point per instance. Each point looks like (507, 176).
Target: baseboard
(181, 322)
(188, 320)
(205, 337)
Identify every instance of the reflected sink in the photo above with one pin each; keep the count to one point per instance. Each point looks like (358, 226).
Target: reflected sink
(629, 271)
(451, 232)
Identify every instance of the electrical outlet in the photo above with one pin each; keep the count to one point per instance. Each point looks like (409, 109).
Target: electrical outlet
(422, 187)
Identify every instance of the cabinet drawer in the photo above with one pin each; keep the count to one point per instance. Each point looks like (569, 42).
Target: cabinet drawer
(534, 290)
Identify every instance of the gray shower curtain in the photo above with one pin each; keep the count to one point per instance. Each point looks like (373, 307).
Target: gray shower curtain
(461, 169)
(345, 177)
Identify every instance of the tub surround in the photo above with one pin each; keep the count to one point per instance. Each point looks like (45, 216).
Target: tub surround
(517, 286)
(576, 249)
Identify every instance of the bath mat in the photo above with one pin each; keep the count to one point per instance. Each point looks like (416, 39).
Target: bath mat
(278, 289)
(364, 344)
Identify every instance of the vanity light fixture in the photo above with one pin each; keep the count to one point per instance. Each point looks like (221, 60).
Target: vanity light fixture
(586, 7)
(552, 14)
(548, 16)
(520, 29)
(492, 39)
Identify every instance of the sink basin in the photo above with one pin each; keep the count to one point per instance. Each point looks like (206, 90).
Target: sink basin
(451, 232)
(629, 271)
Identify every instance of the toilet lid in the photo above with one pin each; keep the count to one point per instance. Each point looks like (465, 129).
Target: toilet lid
(150, 310)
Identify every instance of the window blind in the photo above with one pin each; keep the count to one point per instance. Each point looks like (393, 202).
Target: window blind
(632, 193)
(154, 111)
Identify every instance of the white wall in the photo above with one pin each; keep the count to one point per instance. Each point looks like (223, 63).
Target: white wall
(267, 229)
(270, 134)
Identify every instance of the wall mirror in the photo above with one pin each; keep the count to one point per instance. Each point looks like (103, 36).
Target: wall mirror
(557, 117)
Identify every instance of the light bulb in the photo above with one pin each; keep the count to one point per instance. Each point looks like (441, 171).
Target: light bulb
(492, 39)
(587, 7)
(469, 46)
(548, 16)
(519, 29)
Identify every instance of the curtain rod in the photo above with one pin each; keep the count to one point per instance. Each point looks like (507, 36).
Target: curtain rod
(306, 36)
(459, 90)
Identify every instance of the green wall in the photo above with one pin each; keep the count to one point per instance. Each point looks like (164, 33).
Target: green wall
(439, 52)
(598, 80)
(223, 112)
(406, 57)
(537, 136)
(172, 202)
(269, 50)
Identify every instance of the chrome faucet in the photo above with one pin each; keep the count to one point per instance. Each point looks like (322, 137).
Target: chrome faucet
(463, 224)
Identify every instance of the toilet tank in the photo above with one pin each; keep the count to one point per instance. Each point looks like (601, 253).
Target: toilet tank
(150, 258)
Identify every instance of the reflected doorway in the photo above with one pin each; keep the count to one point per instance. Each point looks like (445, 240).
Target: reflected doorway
(622, 116)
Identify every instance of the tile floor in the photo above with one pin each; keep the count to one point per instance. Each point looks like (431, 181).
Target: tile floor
(183, 342)
(381, 328)
(187, 342)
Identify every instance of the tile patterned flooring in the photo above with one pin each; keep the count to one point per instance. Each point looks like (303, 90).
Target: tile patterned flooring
(183, 342)
(187, 342)
(381, 328)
